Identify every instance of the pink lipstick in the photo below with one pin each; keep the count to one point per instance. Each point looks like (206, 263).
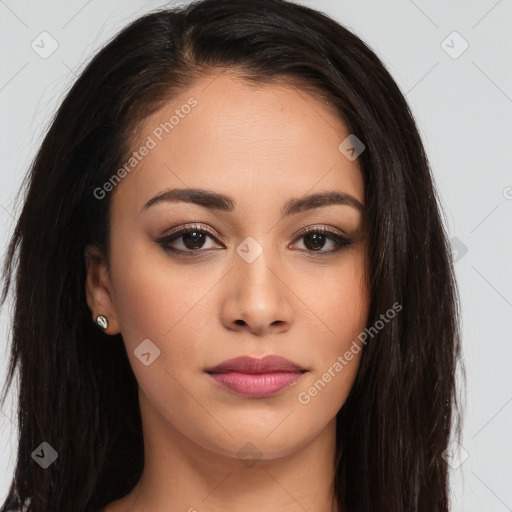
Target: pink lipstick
(256, 378)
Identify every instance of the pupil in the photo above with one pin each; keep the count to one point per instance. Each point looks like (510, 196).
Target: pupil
(196, 237)
(195, 240)
(317, 238)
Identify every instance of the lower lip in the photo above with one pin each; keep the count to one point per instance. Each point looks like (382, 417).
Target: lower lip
(257, 385)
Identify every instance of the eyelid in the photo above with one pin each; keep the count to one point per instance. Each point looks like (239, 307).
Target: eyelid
(190, 226)
(321, 227)
(300, 232)
(339, 237)
(336, 235)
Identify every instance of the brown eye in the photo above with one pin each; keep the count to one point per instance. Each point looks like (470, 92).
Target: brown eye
(315, 239)
(192, 240)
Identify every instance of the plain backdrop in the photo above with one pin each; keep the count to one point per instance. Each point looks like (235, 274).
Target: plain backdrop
(452, 61)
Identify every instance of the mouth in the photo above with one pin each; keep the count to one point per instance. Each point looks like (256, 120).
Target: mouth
(256, 378)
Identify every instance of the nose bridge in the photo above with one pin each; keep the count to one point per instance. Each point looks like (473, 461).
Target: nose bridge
(254, 265)
(258, 295)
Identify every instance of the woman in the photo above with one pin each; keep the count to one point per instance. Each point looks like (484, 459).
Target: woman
(234, 288)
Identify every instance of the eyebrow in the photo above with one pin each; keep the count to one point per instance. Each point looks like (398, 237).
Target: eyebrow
(221, 202)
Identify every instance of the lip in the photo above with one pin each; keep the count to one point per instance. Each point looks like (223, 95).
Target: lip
(248, 364)
(256, 378)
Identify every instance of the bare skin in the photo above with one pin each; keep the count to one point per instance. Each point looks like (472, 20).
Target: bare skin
(262, 146)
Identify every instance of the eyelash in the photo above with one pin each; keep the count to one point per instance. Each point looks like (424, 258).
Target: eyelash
(339, 240)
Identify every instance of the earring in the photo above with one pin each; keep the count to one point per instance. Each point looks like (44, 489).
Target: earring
(102, 322)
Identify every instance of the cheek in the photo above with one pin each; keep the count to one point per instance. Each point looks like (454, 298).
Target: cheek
(321, 397)
(158, 301)
(340, 309)
(338, 301)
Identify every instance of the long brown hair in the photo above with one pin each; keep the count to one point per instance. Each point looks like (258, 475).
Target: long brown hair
(77, 391)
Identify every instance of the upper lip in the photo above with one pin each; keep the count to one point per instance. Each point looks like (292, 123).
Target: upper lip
(248, 364)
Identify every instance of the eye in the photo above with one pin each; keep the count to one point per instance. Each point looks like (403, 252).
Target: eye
(316, 237)
(191, 238)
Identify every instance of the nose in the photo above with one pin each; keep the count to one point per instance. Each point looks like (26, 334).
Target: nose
(257, 297)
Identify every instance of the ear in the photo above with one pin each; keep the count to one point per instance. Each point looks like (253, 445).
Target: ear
(98, 288)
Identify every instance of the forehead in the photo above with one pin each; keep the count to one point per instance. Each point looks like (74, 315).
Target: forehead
(237, 137)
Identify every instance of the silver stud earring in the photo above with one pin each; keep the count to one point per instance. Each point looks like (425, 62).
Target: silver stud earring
(102, 322)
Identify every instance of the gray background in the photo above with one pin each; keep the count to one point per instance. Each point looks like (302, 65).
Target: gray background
(463, 107)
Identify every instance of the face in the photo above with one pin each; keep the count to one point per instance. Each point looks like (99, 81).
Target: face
(250, 267)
